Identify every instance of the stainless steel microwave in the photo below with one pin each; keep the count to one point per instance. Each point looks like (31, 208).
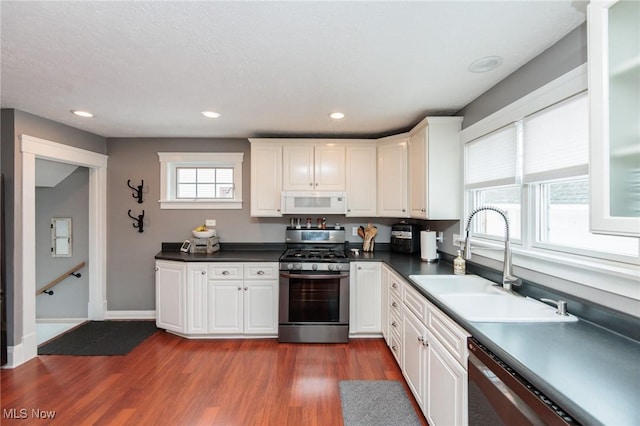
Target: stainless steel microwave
(314, 202)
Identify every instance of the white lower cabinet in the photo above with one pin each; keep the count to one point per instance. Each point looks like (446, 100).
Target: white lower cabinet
(431, 351)
(171, 284)
(414, 355)
(365, 299)
(205, 299)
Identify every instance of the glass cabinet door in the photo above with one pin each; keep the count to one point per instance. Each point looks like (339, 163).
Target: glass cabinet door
(614, 87)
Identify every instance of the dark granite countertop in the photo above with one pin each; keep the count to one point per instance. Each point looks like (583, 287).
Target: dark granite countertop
(591, 372)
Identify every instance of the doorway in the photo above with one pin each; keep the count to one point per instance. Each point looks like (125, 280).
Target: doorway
(25, 243)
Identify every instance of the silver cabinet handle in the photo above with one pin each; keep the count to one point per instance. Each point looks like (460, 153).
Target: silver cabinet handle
(395, 348)
(310, 183)
(204, 272)
(239, 288)
(395, 324)
(359, 268)
(246, 288)
(403, 210)
(156, 269)
(277, 210)
(260, 272)
(394, 304)
(225, 272)
(394, 285)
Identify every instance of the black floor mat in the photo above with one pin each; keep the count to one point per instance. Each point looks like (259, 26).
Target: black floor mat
(100, 338)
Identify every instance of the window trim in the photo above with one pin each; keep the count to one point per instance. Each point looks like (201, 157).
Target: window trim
(170, 161)
(615, 277)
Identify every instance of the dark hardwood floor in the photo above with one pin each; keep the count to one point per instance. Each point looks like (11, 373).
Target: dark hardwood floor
(168, 380)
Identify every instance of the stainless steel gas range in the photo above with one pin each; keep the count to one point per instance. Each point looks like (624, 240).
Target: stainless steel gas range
(314, 287)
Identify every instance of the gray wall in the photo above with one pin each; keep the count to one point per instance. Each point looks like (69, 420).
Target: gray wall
(70, 198)
(564, 56)
(15, 123)
(130, 255)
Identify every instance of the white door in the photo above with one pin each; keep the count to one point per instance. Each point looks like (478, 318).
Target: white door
(414, 354)
(329, 167)
(170, 296)
(266, 180)
(361, 180)
(368, 294)
(392, 180)
(196, 298)
(225, 306)
(261, 306)
(446, 392)
(297, 168)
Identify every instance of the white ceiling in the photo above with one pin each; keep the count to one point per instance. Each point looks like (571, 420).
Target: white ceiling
(147, 69)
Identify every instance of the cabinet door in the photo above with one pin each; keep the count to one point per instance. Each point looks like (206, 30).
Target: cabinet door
(614, 84)
(225, 306)
(446, 392)
(417, 174)
(414, 353)
(329, 167)
(197, 298)
(266, 180)
(261, 307)
(361, 180)
(392, 180)
(367, 315)
(297, 167)
(384, 285)
(170, 296)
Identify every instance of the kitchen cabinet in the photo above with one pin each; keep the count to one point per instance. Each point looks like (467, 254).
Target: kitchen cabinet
(316, 166)
(266, 179)
(415, 355)
(384, 284)
(392, 176)
(209, 299)
(365, 299)
(614, 84)
(361, 165)
(196, 298)
(431, 352)
(171, 278)
(435, 168)
(243, 299)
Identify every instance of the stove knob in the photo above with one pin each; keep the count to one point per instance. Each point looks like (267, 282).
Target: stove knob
(298, 266)
(289, 266)
(314, 267)
(330, 267)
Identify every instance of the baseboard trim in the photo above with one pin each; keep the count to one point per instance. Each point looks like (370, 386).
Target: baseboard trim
(130, 315)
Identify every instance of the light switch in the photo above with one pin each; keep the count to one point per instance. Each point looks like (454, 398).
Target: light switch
(210, 222)
(354, 231)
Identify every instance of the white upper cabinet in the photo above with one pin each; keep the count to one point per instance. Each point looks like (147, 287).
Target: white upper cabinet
(614, 87)
(434, 169)
(313, 166)
(392, 177)
(361, 179)
(266, 179)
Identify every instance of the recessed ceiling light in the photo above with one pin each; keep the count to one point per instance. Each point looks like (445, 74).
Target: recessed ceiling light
(336, 115)
(485, 64)
(85, 114)
(211, 114)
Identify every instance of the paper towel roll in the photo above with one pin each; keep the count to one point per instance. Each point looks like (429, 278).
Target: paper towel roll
(428, 247)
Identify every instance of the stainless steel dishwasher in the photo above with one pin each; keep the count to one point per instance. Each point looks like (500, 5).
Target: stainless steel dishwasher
(499, 396)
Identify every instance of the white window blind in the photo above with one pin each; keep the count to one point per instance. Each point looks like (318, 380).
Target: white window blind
(556, 141)
(491, 160)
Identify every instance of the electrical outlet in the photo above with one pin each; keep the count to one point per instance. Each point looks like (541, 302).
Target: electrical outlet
(210, 222)
(354, 231)
(456, 240)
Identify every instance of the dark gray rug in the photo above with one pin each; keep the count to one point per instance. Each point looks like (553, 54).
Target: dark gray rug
(100, 338)
(376, 403)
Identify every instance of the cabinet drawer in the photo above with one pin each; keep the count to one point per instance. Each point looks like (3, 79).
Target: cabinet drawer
(449, 334)
(395, 285)
(395, 323)
(415, 302)
(395, 305)
(226, 270)
(261, 271)
(395, 346)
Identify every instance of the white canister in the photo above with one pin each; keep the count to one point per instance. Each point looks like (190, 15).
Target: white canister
(428, 247)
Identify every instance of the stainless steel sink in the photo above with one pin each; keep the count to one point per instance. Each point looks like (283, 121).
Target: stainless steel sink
(477, 299)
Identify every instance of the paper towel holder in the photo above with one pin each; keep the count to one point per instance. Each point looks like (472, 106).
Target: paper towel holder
(429, 249)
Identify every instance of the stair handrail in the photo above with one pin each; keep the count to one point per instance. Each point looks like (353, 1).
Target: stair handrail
(60, 278)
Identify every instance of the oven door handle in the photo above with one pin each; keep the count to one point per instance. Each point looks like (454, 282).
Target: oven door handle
(313, 276)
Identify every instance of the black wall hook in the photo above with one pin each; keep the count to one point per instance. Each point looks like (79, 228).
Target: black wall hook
(137, 192)
(138, 220)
